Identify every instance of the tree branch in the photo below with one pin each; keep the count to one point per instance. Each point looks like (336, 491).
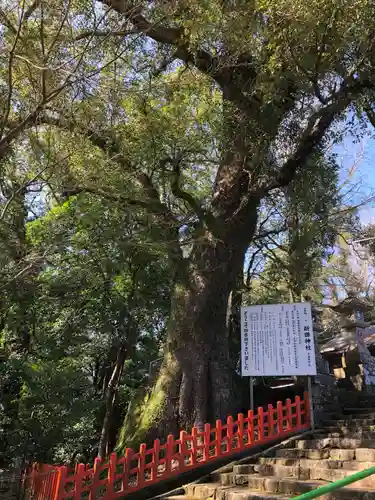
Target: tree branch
(370, 115)
(204, 216)
(170, 36)
(249, 273)
(271, 254)
(108, 144)
(20, 189)
(7, 22)
(30, 11)
(317, 126)
(99, 33)
(10, 75)
(265, 234)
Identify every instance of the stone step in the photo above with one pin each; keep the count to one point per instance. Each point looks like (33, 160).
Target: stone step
(359, 422)
(369, 436)
(315, 454)
(244, 494)
(217, 492)
(365, 455)
(300, 462)
(295, 487)
(179, 497)
(345, 395)
(352, 424)
(202, 490)
(351, 465)
(315, 473)
(341, 442)
(346, 428)
(357, 402)
(360, 411)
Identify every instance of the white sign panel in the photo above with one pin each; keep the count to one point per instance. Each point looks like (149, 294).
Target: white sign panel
(277, 340)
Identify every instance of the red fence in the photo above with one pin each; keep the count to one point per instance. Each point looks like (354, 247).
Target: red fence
(121, 476)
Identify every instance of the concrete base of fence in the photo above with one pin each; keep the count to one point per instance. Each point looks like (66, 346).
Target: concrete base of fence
(175, 486)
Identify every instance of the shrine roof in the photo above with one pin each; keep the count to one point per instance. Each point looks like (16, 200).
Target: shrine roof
(350, 304)
(338, 344)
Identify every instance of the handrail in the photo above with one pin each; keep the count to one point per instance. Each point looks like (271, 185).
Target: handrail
(145, 467)
(328, 488)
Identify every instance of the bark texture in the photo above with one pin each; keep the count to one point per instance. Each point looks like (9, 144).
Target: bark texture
(196, 383)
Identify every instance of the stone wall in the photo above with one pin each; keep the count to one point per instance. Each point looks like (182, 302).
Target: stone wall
(10, 485)
(324, 387)
(325, 396)
(368, 363)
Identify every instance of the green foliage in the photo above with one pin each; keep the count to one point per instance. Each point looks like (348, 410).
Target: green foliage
(310, 219)
(97, 281)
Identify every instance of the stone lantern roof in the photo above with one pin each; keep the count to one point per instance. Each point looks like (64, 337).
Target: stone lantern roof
(350, 304)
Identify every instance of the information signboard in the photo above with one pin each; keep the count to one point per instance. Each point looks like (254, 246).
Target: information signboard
(277, 340)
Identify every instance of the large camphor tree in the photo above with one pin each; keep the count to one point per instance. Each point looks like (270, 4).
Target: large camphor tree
(279, 78)
(287, 71)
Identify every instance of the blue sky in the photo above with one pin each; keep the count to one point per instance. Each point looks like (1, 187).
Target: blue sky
(361, 154)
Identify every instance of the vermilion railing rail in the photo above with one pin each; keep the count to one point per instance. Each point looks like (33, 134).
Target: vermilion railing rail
(121, 476)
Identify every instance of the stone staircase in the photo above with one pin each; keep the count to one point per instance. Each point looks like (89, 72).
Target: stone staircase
(336, 450)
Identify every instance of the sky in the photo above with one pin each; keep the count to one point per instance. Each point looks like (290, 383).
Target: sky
(362, 155)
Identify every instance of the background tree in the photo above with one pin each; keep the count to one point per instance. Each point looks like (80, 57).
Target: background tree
(99, 306)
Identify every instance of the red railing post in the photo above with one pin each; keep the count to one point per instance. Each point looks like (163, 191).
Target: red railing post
(53, 484)
(230, 434)
(260, 418)
(141, 465)
(307, 413)
(280, 423)
(298, 412)
(78, 477)
(60, 483)
(206, 442)
(45, 481)
(39, 481)
(127, 468)
(155, 460)
(219, 437)
(250, 427)
(111, 475)
(33, 479)
(95, 478)
(42, 483)
(49, 485)
(241, 431)
(182, 450)
(169, 455)
(289, 414)
(270, 419)
(194, 443)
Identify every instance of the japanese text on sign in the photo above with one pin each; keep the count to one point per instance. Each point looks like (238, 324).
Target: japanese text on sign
(277, 339)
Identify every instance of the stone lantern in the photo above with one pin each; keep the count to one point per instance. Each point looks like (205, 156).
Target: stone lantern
(348, 357)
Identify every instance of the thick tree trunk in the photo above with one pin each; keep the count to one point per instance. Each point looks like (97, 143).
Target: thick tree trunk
(196, 383)
(234, 320)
